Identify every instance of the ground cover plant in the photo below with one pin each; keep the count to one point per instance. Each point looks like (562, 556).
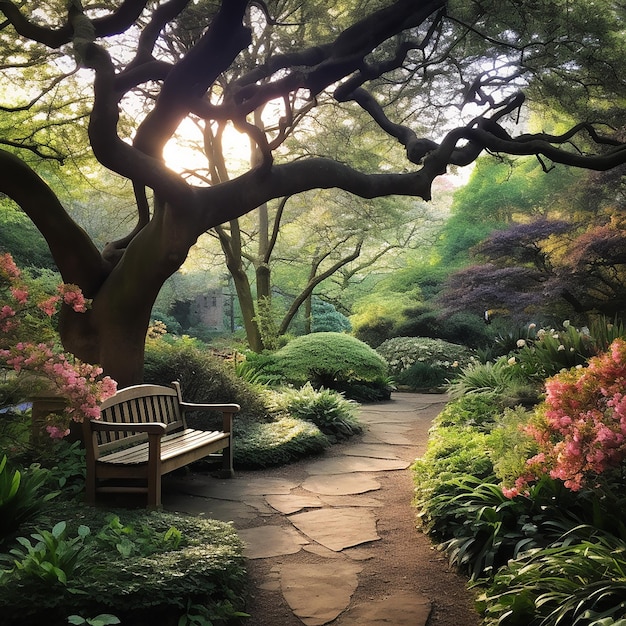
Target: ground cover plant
(333, 414)
(155, 566)
(531, 504)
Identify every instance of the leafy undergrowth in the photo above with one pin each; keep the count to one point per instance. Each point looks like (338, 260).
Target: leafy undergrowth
(142, 567)
(258, 445)
(547, 556)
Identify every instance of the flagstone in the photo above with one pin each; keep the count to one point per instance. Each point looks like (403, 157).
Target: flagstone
(386, 433)
(349, 500)
(372, 450)
(262, 542)
(340, 484)
(337, 528)
(399, 608)
(292, 503)
(318, 593)
(347, 464)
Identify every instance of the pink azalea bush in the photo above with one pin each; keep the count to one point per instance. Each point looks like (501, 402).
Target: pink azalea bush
(581, 426)
(80, 384)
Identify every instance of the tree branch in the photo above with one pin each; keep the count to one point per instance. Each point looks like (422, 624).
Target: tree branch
(74, 253)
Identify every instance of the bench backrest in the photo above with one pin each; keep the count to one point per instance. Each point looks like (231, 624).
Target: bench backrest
(140, 404)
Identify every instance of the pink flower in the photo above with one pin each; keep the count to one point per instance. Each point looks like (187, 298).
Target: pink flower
(8, 269)
(81, 384)
(73, 296)
(6, 311)
(583, 432)
(57, 433)
(49, 306)
(20, 294)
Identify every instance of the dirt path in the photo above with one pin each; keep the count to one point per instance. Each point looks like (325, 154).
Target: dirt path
(393, 576)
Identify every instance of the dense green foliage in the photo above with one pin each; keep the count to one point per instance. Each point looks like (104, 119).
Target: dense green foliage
(335, 416)
(21, 495)
(203, 376)
(19, 237)
(547, 555)
(279, 442)
(326, 360)
(154, 564)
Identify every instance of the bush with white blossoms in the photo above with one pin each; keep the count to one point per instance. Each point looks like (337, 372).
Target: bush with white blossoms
(403, 352)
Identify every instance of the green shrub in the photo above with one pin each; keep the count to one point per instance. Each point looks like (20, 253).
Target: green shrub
(176, 561)
(172, 325)
(203, 377)
(374, 332)
(329, 360)
(459, 328)
(283, 441)
(500, 377)
(66, 467)
(582, 584)
(328, 410)
(422, 376)
(479, 411)
(326, 318)
(452, 453)
(402, 352)
(553, 350)
(21, 495)
(510, 446)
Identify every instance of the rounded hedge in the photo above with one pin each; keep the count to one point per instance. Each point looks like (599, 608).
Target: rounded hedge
(328, 358)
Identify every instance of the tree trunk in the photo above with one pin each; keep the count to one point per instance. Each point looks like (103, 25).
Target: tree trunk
(113, 331)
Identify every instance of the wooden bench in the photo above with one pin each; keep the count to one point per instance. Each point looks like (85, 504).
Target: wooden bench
(143, 434)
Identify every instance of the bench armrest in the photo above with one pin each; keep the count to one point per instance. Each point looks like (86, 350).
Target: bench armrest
(227, 410)
(156, 428)
(224, 408)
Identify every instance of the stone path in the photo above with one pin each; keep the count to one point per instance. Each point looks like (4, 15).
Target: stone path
(312, 529)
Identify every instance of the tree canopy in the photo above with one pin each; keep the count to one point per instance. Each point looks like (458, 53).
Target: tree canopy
(442, 80)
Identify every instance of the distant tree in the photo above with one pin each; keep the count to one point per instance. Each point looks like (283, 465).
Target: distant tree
(548, 268)
(501, 192)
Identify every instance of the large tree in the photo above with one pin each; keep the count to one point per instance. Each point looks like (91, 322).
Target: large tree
(407, 63)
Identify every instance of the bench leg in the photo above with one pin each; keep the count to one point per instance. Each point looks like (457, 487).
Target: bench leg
(154, 491)
(90, 486)
(154, 472)
(227, 470)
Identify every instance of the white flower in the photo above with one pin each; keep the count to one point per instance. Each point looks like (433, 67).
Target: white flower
(566, 324)
(512, 361)
(561, 348)
(521, 343)
(532, 326)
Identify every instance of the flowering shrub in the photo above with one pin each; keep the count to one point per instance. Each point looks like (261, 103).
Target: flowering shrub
(551, 350)
(37, 366)
(580, 428)
(403, 352)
